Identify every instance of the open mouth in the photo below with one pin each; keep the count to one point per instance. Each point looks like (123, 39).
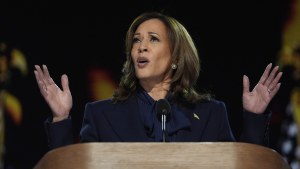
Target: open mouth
(142, 62)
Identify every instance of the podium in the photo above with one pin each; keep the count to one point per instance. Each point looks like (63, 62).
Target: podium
(189, 155)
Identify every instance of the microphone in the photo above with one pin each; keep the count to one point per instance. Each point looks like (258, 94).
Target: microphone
(163, 110)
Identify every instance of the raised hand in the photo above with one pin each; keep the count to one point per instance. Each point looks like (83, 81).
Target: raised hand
(259, 98)
(59, 101)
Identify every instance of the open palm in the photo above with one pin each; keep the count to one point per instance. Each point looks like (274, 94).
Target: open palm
(59, 100)
(258, 99)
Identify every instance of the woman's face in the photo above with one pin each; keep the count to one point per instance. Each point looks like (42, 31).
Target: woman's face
(151, 52)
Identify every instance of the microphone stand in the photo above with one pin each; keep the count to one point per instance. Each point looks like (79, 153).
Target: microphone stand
(162, 111)
(163, 125)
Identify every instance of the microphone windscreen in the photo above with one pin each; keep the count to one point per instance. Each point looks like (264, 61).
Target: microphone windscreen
(162, 108)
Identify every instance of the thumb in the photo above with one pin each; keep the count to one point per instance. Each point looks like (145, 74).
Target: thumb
(245, 84)
(65, 82)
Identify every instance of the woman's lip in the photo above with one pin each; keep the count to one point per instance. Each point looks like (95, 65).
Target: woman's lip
(142, 61)
(142, 64)
(142, 58)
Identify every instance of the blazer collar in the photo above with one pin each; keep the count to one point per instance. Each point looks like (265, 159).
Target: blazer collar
(126, 121)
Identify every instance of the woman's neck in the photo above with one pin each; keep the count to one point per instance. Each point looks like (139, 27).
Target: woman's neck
(158, 90)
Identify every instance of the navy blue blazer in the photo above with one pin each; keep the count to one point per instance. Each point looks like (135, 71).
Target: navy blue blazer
(105, 121)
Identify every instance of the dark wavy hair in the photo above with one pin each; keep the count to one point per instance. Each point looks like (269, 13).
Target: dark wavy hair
(184, 54)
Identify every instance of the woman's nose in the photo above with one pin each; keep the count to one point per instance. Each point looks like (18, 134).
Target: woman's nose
(142, 48)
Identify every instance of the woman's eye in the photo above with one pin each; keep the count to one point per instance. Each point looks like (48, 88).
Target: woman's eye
(135, 40)
(153, 38)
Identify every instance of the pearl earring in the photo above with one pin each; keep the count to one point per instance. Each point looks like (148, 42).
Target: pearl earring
(174, 66)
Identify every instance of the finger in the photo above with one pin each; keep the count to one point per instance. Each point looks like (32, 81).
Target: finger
(265, 74)
(39, 76)
(40, 83)
(271, 77)
(39, 72)
(246, 84)
(65, 82)
(36, 73)
(275, 80)
(47, 78)
(275, 90)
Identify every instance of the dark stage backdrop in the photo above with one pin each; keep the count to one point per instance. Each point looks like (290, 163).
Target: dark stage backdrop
(87, 41)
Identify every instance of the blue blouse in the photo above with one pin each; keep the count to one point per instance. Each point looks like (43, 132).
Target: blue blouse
(153, 127)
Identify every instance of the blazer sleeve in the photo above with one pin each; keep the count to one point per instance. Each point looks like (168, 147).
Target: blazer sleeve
(255, 128)
(225, 133)
(88, 132)
(59, 133)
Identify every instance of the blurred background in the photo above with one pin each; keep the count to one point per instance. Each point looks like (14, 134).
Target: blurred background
(85, 40)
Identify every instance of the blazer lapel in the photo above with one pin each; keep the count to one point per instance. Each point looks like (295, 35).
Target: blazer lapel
(199, 118)
(126, 121)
